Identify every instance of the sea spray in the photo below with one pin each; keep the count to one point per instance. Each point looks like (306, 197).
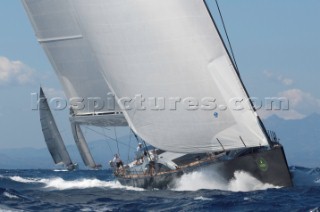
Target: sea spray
(61, 184)
(200, 180)
(242, 181)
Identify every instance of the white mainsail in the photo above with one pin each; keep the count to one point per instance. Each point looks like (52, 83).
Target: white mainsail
(156, 48)
(52, 135)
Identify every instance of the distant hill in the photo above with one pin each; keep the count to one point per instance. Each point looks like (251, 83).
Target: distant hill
(301, 139)
(31, 158)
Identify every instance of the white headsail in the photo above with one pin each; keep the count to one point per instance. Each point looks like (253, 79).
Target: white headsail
(167, 49)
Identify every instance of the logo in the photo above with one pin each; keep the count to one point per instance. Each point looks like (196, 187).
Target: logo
(262, 164)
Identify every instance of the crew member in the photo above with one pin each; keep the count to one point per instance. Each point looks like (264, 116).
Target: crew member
(139, 154)
(152, 164)
(117, 160)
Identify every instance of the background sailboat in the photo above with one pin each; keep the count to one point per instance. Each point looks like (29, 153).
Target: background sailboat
(52, 135)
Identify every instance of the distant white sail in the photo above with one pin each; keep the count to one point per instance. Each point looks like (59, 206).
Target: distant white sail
(156, 48)
(52, 135)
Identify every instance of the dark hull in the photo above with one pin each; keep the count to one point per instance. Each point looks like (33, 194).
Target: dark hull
(269, 166)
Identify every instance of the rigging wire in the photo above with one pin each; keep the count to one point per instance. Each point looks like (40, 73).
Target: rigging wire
(135, 136)
(104, 132)
(237, 70)
(229, 42)
(144, 143)
(116, 137)
(130, 139)
(99, 133)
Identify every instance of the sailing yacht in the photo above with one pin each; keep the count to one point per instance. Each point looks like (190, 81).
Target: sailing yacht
(174, 84)
(52, 136)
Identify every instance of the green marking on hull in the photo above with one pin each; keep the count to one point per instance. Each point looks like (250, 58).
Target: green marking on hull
(262, 164)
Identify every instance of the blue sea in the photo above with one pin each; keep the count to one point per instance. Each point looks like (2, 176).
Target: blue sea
(55, 190)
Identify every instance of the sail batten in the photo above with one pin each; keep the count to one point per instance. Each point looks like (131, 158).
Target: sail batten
(54, 39)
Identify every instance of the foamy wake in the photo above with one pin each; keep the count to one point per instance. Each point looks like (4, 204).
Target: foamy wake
(26, 180)
(203, 198)
(242, 181)
(61, 184)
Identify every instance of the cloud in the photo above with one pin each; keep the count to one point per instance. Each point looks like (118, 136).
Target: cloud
(301, 104)
(302, 101)
(53, 93)
(15, 72)
(278, 77)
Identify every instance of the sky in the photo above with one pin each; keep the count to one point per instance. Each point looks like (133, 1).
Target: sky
(276, 44)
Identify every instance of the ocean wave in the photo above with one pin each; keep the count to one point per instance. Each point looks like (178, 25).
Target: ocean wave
(203, 198)
(60, 170)
(4, 208)
(305, 176)
(61, 184)
(10, 196)
(99, 209)
(98, 191)
(242, 181)
(27, 180)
